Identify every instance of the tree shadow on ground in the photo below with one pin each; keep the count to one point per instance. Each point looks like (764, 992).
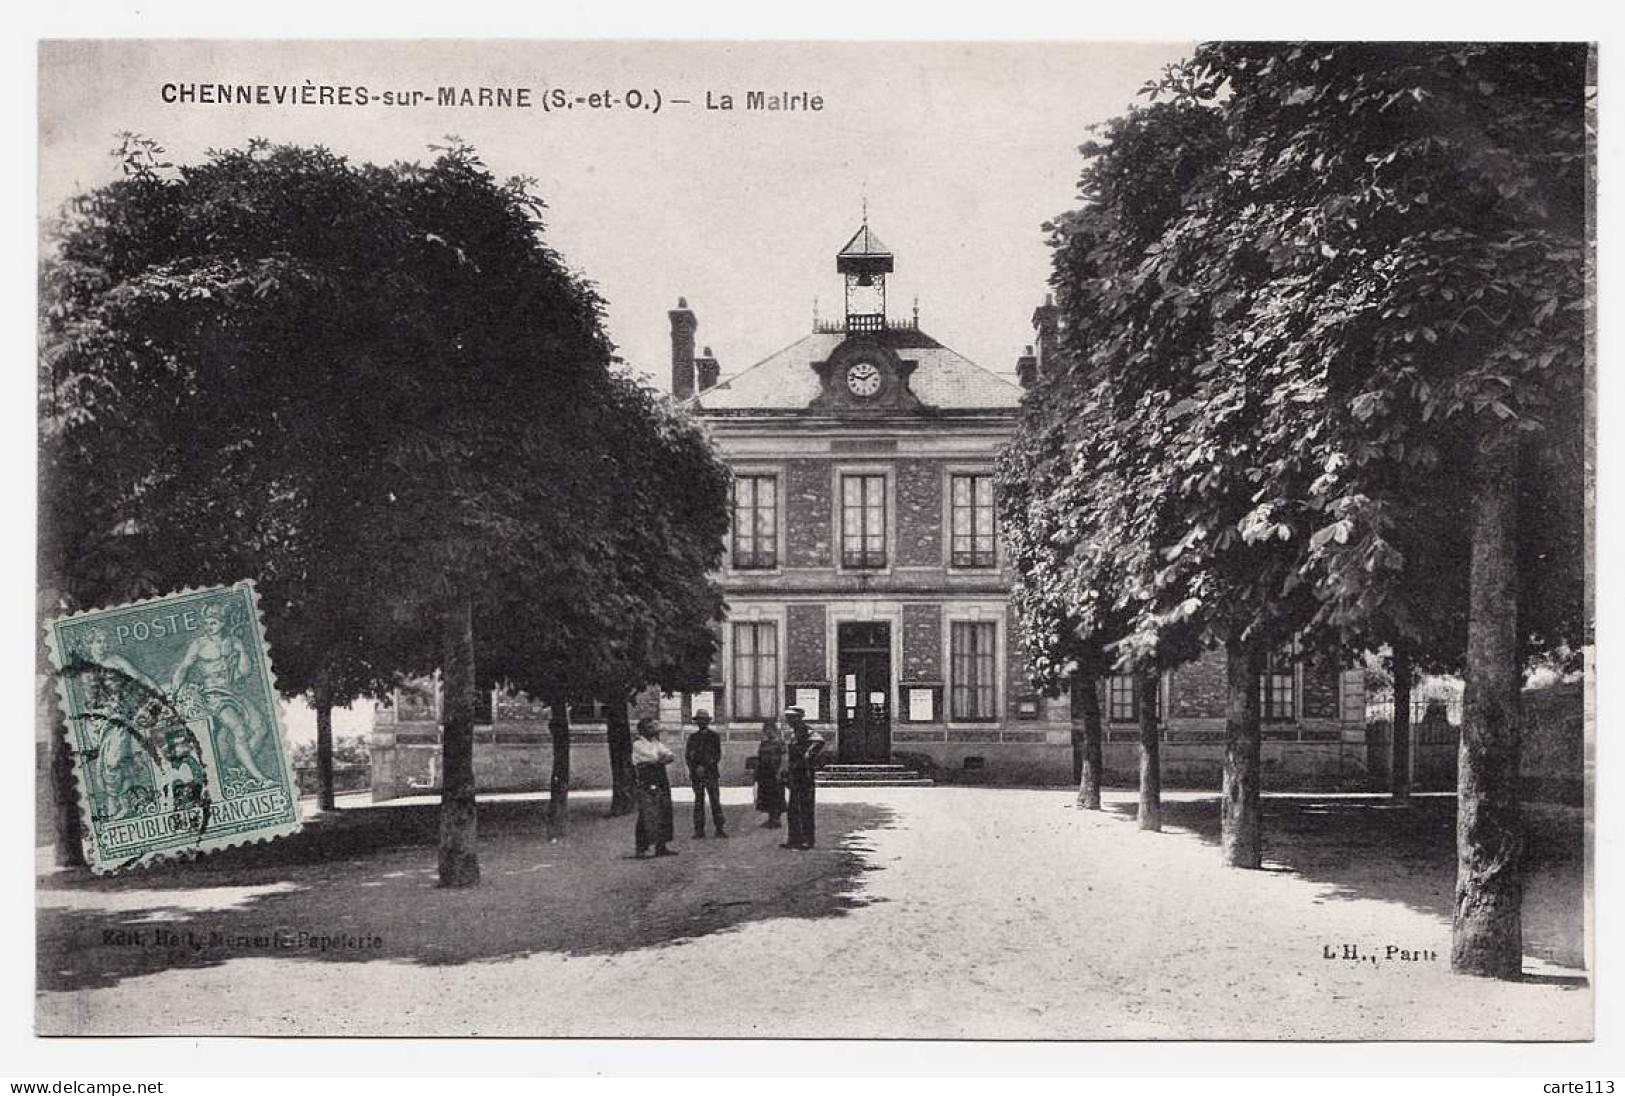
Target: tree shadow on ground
(1376, 848)
(366, 880)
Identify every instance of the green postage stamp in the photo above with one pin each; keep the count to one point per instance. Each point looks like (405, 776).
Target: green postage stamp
(172, 721)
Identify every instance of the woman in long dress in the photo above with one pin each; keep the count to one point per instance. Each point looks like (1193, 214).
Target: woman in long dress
(649, 760)
(770, 775)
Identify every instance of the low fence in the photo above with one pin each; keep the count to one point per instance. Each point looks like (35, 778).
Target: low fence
(346, 778)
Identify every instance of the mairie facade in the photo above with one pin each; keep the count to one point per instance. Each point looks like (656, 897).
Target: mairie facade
(867, 583)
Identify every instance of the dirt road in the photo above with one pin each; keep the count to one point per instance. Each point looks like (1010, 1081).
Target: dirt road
(937, 912)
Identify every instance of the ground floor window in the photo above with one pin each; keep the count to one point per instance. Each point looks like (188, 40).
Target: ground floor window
(1277, 690)
(1120, 699)
(755, 670)
(973, 658)
(1123, 699)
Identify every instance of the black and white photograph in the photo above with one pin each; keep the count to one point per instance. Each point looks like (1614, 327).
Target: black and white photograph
(1053, 541)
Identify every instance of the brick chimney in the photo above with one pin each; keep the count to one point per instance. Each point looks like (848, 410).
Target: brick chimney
(706, 370)
(1027, 368)
(683, 325)
(1047, 325)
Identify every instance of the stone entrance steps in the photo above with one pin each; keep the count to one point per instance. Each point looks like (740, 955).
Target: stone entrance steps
(871, 776)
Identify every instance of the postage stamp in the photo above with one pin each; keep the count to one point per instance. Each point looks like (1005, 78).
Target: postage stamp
(172, 721)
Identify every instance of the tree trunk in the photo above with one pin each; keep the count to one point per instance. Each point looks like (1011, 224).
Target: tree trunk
(321, 699)
(1399, 769)
(618, 724)
(1146, 687)
(1241, 828)
(70, 833)
(459, 863)
(1086, 737)
(558, 788)
(1487, 936)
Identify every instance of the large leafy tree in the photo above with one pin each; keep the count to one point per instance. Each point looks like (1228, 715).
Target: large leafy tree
(190, 318)
(1065, 651)
(1356, 350)
(644, 614)
(1423, 212)
(375, 388)
(1091, 481)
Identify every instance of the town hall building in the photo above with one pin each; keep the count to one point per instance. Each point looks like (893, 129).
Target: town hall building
(867, 583)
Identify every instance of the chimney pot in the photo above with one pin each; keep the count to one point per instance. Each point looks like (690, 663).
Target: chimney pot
(1027, 369)
(683, 326)
(1046, 324)
(706, 371)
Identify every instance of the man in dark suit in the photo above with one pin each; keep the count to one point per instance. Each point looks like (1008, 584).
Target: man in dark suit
(704, 757)
(803, 756)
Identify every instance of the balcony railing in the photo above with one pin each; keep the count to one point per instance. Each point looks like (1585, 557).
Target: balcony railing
(854, 324)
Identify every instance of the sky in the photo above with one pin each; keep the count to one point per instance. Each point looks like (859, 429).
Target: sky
(961, 152)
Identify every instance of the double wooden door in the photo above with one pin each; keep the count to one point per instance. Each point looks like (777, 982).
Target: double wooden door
(863, 691)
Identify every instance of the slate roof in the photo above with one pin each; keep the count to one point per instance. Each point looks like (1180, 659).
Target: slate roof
(864, 243)
(785, 381)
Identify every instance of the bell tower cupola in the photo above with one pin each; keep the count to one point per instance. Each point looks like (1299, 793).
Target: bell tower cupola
(864, 262)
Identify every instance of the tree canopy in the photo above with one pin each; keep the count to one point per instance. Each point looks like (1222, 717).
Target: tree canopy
(380, 393)
(1323, 375)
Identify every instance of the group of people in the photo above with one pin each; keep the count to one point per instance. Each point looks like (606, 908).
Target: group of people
(785, 771)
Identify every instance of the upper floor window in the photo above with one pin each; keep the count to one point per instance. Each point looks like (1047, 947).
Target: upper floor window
(756, 522)
(1277, 690)
(971, 499)
(972, 661)
(863, 521)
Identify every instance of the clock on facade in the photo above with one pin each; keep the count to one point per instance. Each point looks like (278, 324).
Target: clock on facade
(863, 379)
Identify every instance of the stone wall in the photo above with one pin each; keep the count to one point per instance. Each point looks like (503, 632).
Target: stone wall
(716, 654)
(806, 657)
(809, 514)
(1197, 690)
(919, 513)
(1320, 690)
(1022, 701)
(922, 644)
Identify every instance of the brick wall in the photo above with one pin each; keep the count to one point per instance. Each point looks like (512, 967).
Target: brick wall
(805, 658)
(919, 513)
(809, 518)
(922, 643)
(1198, 689)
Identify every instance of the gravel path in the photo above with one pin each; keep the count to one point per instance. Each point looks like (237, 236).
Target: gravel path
(941, 912)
